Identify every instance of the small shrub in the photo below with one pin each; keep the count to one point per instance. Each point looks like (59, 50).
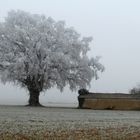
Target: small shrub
(83, 91)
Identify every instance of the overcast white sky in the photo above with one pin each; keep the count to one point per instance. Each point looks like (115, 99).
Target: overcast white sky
(115, 27)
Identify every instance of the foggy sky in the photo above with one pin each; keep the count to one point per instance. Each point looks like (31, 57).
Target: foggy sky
(115, 27)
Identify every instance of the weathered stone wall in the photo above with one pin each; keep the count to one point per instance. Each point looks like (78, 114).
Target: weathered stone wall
(109, 101)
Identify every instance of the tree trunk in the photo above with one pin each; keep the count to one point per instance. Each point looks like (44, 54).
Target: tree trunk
(34, 98)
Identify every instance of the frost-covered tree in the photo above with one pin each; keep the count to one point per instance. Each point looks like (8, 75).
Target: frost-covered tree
(39, 53)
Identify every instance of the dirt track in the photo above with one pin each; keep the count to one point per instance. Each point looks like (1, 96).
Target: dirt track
(18, 122)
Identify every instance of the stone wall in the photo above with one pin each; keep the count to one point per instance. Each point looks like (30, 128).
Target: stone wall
(116, 101)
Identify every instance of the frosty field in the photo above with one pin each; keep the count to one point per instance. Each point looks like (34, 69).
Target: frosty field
(36, 123)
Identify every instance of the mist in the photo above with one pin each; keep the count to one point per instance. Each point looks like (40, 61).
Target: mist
(115, 28)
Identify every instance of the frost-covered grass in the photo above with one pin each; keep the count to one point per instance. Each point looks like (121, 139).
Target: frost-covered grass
(26, 123)
(123, 133)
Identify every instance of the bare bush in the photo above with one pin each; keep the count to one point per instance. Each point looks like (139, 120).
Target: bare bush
(135, 90)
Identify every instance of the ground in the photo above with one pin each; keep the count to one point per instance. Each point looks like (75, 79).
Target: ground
(52, 123)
